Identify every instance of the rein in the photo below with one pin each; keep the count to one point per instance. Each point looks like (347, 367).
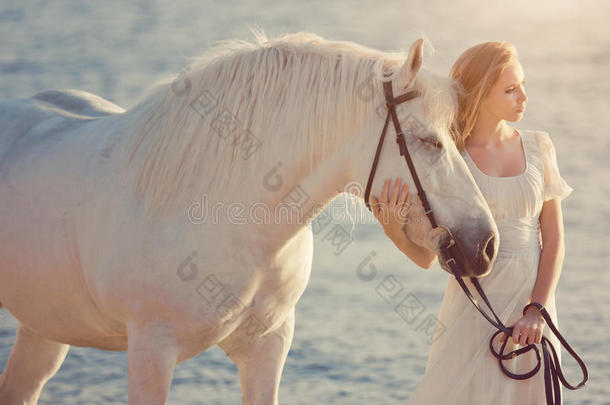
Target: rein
(552, 368)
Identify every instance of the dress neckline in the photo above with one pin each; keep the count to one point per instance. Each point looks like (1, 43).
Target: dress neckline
(527, 164)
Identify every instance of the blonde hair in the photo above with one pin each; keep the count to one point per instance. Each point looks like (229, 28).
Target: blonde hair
(476, 70)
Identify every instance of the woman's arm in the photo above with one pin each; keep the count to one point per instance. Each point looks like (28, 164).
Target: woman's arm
(552, 254)
(529, 328)
(391, 212)
(422, 256)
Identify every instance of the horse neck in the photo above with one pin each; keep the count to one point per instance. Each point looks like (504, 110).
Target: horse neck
(291, 191)
(304, 142)
(280, 173)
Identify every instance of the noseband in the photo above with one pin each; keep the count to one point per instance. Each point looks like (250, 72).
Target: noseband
(552, 368)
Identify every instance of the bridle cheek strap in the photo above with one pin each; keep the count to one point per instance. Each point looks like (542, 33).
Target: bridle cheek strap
(391, 104)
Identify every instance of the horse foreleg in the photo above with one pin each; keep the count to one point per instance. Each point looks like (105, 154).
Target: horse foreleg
(32, 362)
(152, 355)
(260, 363)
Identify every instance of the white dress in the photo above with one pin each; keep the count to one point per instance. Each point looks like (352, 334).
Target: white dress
(460, 368)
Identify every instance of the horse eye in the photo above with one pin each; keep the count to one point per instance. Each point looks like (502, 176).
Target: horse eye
(432, 142)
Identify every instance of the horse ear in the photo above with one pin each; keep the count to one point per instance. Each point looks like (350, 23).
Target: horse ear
(412, 64)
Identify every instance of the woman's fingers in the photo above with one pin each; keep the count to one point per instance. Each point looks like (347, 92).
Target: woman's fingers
(524, 336)
(395, 192)
(516, 333)
(531, 339)
(384, 192)
(392, 200)
(404, 191)
(538, 338)
(404, 205)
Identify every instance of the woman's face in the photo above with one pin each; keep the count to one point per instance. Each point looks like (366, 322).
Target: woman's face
(506, 98)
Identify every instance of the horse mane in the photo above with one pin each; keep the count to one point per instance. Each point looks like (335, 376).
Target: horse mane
(271, 89)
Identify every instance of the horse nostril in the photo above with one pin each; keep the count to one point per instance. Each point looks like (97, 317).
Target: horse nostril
(489, 248)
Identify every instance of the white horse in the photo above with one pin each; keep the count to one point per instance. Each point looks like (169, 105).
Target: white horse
(108, 237)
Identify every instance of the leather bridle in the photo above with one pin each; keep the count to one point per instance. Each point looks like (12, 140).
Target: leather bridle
(552, 367)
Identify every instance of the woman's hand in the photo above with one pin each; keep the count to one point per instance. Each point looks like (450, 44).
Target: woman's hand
(391, 210)
(528, 329)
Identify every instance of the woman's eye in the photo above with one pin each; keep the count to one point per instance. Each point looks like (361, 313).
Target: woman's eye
(514, 88)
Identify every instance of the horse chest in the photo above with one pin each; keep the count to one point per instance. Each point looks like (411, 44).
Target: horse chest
(279, 286)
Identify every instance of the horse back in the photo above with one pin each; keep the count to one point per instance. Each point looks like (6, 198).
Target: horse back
(20, 118)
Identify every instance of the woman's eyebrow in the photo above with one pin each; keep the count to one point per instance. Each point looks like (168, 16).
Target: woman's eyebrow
(514, 84)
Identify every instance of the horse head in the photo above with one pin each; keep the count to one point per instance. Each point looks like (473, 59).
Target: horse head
(460, 210)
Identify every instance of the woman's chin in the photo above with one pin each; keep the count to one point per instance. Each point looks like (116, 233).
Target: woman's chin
(516, 117)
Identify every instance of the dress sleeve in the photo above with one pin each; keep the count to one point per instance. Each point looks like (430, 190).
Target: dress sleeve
(554, 184)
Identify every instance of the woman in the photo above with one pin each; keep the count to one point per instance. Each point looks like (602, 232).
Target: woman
(517, 173)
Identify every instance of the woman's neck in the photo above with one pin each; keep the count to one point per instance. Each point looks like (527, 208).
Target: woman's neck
(489, 133)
